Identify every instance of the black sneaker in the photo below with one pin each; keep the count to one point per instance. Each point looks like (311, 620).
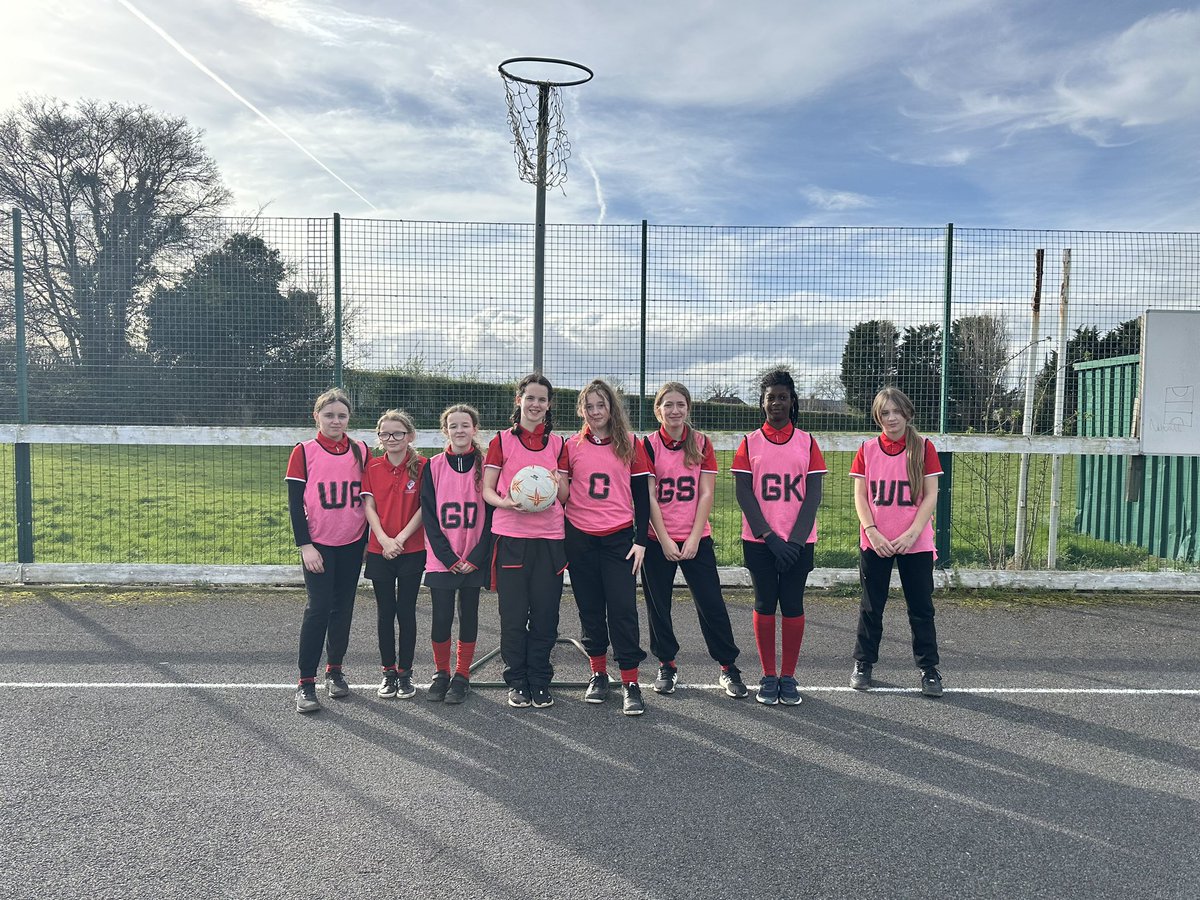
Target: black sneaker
(438, 687)
(387, 687)
(541, 698)
(460, 686)
(731, 680)
(335, 684)
(860, 679)
(667, 678)
(789, 692)
(931, 682)
(768, 690)
(405, 690)
(306, 698)
(597, 689)
(519, 697)
(633, 705)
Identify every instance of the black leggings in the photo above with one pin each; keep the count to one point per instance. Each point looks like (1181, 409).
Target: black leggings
(774, 589)
(443, 614)
(330, 606)
(396, 582)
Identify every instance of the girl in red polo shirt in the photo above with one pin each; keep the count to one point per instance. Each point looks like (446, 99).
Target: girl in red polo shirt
(895, 492)
(396, 551)
(608, 510)
(324, 479)
(684, 469)
(777, 473)
(528, 560)
(459, 535)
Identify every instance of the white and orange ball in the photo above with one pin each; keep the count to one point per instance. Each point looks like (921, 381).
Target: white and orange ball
(533, 488)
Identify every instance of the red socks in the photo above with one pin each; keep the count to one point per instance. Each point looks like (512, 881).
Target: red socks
(441, 656)
(629, 676)
(764, 638)
(466, 655)
(599, 664)
(793, 637)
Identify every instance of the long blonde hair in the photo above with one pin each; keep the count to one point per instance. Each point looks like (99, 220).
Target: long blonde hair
(693, 454)
(412, 460)
(914, 444)
(618, 422)
(471, 411)
(337, 395)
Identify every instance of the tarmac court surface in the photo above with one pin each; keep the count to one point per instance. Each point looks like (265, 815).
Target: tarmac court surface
(152, 750)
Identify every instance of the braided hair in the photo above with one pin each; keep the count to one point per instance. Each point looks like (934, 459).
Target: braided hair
(780, 378)
(533, 378)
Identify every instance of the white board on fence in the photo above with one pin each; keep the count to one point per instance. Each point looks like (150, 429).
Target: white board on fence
(1169, 423)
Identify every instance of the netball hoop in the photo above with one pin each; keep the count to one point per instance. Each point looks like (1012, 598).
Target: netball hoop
(541, 148)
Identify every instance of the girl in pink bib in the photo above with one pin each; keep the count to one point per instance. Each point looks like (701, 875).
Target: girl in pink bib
(324, 479)
(459, 536)
(895, 492)
(778, 473)
(608, 510)
(684, 471)
(528, 561)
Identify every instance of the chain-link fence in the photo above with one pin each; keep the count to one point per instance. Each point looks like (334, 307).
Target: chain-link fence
(240, 326)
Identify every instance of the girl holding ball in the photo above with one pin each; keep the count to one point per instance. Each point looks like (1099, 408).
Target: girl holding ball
(529, 559)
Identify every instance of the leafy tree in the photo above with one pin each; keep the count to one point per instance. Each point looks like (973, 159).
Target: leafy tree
(979, 357)
(105, 190)
(875, 355)
(1085, 344)
(238, 337)
(919, 372)
(868, 362)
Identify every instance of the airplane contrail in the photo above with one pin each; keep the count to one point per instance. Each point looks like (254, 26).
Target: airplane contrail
(250, 106)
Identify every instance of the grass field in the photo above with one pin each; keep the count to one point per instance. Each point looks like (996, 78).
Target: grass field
(228, 506)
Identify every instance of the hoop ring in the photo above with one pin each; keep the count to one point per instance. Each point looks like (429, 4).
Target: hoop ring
(543, 59)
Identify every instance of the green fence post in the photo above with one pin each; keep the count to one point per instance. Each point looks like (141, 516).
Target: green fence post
(945, 483)
(337, 299)
(947, 292)
(642, 361)
(22, 465)
(941, 538)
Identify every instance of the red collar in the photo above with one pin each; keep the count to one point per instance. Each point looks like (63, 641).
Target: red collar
(666, 438)
(778, 435)
(334, 446)
(592, 439)
(890, 447)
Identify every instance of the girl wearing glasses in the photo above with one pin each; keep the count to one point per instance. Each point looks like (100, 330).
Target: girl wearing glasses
(391, 489)
(324, 479)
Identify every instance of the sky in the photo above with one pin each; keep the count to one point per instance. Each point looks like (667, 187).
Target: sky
(1067, 115)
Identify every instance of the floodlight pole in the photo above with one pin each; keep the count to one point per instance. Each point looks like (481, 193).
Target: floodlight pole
(539, 233)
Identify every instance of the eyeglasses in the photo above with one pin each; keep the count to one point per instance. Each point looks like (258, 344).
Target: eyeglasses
(392, 435)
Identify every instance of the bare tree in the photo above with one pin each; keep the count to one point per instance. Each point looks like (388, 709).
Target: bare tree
(104, 190)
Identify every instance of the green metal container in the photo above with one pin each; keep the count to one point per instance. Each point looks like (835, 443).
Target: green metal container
(1165, 516)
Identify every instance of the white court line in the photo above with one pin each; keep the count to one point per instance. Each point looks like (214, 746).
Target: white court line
(811, 689)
